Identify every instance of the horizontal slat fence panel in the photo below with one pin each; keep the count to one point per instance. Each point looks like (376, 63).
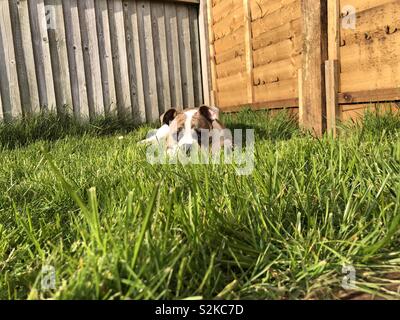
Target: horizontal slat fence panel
(370, 53)
(94, 58)
(260, 48)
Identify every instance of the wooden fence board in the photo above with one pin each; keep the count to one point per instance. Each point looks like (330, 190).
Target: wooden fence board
(195, 54)
(277, 52)
(75, 58)
(332, 88)
(148, 65)
(204, 52)
(248, 50)
(105, 52)
(10, 93)
(100, 57)
(134, 61)
(160, 56)
(1, 108)
(231, 67)
(392, 94)
(282, 90)
(120, 62)
(185, 55)
(41, 51)
(151, 55)
(173, 56)
(59, 55)
(223, 9)
(230, 41)
(91, 57)
(229, 24)
(363, 5)
(289, 44)
(24, 56)
(286, 31)
(284, 14)
(277, 71)
(262, 8)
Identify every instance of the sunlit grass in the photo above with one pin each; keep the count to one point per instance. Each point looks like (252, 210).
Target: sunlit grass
(84, 200)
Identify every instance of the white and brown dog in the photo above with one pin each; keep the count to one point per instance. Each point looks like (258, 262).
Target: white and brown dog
(189, 128)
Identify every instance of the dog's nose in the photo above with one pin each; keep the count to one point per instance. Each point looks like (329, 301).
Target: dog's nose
(187, 148)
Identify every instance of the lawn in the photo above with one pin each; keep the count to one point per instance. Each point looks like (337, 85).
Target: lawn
(83, 200)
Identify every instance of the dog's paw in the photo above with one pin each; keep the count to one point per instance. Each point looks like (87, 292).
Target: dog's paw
(144, 142)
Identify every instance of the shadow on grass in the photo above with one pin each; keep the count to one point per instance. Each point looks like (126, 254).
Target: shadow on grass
(267, 125)
(378, 121)
(51, 127)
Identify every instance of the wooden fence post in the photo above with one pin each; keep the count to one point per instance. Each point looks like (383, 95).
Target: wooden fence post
(213, 94)
(332, 103)
(332, 67)
(314, 14)
(300, 94)
(248, 50)
(205, 54)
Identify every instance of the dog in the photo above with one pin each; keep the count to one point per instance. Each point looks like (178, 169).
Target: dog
(189, 128)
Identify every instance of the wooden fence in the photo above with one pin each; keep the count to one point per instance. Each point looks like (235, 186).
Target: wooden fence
(321, 57)
(324, 58)
(96, 57)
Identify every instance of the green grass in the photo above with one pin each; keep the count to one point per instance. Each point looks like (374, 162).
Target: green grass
(83, 199)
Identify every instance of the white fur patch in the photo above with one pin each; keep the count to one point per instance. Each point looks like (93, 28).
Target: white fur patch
(189, 136)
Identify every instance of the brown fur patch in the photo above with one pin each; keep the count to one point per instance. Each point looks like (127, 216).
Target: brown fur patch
(199, 121)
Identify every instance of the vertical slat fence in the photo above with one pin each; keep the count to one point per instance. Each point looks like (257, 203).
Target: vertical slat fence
(94, 58)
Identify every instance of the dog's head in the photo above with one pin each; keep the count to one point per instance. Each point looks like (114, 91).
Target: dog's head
(187, 127)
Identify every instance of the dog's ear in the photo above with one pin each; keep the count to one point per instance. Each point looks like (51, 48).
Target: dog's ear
(168, 116)
(210, 113)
